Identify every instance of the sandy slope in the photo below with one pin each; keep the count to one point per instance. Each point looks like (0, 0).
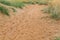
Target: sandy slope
(29, 23)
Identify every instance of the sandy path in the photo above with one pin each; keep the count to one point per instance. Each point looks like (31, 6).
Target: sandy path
(28, 24)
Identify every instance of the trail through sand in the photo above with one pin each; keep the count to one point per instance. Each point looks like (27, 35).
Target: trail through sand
(29, 23)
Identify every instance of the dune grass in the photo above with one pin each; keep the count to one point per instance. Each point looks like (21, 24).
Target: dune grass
(4, 10)
(12, 3)
(8, 3)
(5, 2)
(20, 4)
(53, 10)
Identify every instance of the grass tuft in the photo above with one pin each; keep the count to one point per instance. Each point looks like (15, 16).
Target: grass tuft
(4, 10)
(54, 11)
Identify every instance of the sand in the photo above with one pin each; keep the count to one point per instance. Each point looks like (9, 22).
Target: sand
(29, 23)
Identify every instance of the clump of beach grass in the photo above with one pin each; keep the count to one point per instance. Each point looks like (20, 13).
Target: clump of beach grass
(53, 10)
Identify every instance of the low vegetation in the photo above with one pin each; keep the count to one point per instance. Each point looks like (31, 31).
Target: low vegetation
(43, 2)
(4, 10)
(53, 10)
(19, 4)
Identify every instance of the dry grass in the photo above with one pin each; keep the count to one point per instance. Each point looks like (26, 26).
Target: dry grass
(53, 9)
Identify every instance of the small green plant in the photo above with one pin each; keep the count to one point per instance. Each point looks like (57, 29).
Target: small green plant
(4, 10)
